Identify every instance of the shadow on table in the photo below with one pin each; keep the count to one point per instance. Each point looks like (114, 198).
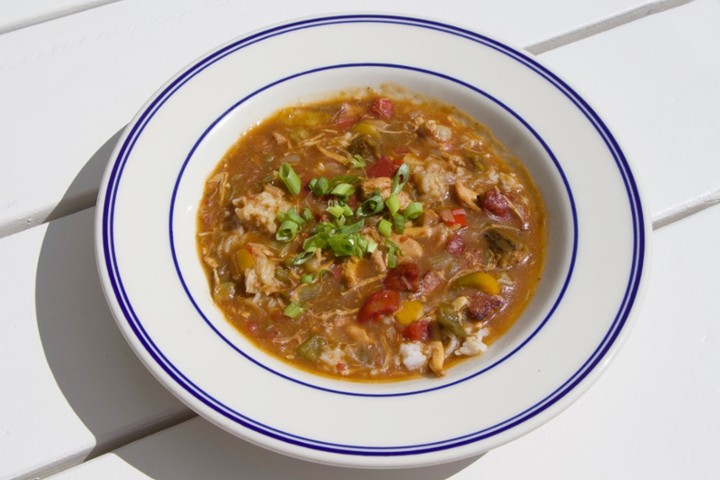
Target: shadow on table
(103, 381)
(112, 393)
(196, 449)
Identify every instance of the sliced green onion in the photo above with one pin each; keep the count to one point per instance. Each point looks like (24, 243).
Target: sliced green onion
(371, 245)
(307, 214)
(342, 245)
(399, 223)
(400, 179)
(290, 178)
(287, 231)
(393, 204)
(413, 211)
(304, 256)
(384, 227)
(371, 206)
(319, 186)
(292, 216)
(343, 190)
(293, 310)
(307, 278)
(351, 179)
(336, 211)
(392, 254)
(352, 228)
(358, 161)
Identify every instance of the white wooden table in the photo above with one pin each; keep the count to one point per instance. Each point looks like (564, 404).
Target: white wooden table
(76, 404)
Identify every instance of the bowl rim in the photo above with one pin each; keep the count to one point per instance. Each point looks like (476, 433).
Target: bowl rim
(570, 391)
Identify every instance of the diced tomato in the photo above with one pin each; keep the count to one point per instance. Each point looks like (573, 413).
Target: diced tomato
(496, 203)
(418, 331)
(455, 244)
(345, 123)
(383, 108)
(405, 278)
(456, 217)
(382, 302)
(383, 167)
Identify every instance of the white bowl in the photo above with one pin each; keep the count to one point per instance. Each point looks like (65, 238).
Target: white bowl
(157, 290)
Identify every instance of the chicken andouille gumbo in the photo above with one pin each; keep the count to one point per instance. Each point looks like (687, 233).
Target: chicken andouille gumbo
(371, 237)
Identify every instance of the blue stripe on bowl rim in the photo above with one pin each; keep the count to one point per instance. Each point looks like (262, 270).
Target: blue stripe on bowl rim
(475, 90)
(135, 129)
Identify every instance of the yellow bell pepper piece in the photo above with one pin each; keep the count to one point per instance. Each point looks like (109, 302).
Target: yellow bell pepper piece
(244, 259)
(365, 128)
(480, 280)
(409, 312)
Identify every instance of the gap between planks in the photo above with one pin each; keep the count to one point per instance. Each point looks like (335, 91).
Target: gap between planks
(70, 205)
(52, 15)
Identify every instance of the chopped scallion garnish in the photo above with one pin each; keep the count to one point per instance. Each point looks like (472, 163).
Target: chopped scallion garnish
(371, 206)
(293, 310)
(357, 161)
(291, 215)
(384, 227)
(398, 223)
(343, 190)
(352, 228)
(393, 204)
(392, 254)
(290, 178)
(319, 186)
(286, 231)
(336, 211)
(304, 256)
(307, 214)
(400, 179)
(413, 211)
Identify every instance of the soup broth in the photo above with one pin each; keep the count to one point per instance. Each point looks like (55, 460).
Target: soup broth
(371, 237)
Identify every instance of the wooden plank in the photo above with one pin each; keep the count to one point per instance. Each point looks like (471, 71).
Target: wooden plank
(16, 15)
(655, 83)
(71, 385)
(70, 85)
(653, 414)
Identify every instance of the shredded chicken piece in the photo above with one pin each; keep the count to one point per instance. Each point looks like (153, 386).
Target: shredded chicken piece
(409, 247)
(419, 232)
(365, 282)
(466, 195)
(338, 313)
(460, 302)
(441, 133)
(332, 155)
(358, 333)
(211, 262)
(350, 272)
(279, 138)
(437, 358)
(378, 260)
(261, 210)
